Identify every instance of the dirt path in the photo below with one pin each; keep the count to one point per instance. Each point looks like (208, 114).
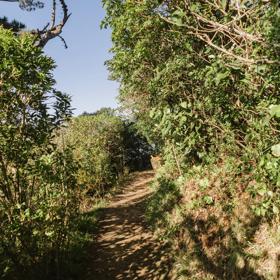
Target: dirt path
(125, 248)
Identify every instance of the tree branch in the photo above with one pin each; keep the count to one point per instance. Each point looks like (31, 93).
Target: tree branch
(55, 30)
(51, 30)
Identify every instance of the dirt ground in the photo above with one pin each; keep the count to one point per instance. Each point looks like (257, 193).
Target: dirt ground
(125, 248)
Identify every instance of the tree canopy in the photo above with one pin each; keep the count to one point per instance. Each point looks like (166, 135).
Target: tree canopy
(37, 179)
(27, 4)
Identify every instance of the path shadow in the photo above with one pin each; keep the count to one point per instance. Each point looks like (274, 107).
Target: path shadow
(125, 248)
(222, 264)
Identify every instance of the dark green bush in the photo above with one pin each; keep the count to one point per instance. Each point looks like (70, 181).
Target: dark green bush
(98, 147)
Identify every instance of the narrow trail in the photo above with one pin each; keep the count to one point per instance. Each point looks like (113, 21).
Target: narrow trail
(125, 248)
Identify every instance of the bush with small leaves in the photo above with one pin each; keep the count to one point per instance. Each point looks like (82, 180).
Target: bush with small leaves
(37, 180)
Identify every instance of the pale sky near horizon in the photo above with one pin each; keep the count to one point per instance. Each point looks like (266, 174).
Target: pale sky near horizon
(80, 69)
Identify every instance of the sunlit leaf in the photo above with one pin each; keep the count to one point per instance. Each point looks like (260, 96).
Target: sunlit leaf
(276, 150)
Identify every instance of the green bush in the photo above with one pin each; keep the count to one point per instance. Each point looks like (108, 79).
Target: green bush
(106, 146)
(198, 100)
(98, 147)
(203, 80)
(37, 180)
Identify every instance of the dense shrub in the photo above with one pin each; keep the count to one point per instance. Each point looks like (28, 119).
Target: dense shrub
(37, 180)
(105, 145)
(202, 79)
(137, 150)
(98, 144)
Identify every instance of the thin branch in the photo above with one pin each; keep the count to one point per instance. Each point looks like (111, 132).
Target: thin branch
(231, 35)
(55, 30)
(53, 14)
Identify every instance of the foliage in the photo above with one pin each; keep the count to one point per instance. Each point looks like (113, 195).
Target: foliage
(14, 25)
(37, 180)
(53, 28)
(28, 4)
(105, 146)
(202, 78)
(198, 100)
(137, 150)
(165, 197)
(98, 145)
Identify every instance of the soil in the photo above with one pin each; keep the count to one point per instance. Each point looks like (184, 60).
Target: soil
(125, 248)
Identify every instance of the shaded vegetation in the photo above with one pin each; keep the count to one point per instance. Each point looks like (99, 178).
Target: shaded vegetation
(14, 25)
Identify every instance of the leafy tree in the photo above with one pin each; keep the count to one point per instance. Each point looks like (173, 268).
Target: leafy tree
(197, 86)
(14, 25)
(27, 4)
(105, 145)
(37, 180)
(106, 110)
(137, 150)
(98, 145)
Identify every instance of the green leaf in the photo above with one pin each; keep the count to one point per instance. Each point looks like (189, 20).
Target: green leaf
(220, 77)
(177, 17)
(49, 233)
(275, 209)
(274, 110)
(184, 105)
(276, 150)
(194, 7)
(208, 200)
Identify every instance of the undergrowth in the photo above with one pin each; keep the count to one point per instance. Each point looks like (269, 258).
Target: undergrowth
(209, 216)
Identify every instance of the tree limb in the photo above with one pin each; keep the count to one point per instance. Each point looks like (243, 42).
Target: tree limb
(55, 30)
(51, 30)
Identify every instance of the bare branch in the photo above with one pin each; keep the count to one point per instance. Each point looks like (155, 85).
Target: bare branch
(55, 30)
(228, 36)
(54, 13)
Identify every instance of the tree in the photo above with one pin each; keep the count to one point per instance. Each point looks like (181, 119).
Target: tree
(137, 150)
(173, 57)
(105, 110)
(37, 180)
(27, 4)
(97, 140)
(14, 25)
(201, 77)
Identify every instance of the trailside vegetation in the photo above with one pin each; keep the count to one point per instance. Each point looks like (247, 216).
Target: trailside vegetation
(202, 78)
(98, 147)
(38, 186)
(50, 164)
(107, 147)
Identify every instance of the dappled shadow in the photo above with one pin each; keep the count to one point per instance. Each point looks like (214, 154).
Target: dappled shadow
(125, 248)
(216, 248)
(119, 246)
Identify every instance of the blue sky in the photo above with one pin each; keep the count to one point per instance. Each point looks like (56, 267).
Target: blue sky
(80, 68)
